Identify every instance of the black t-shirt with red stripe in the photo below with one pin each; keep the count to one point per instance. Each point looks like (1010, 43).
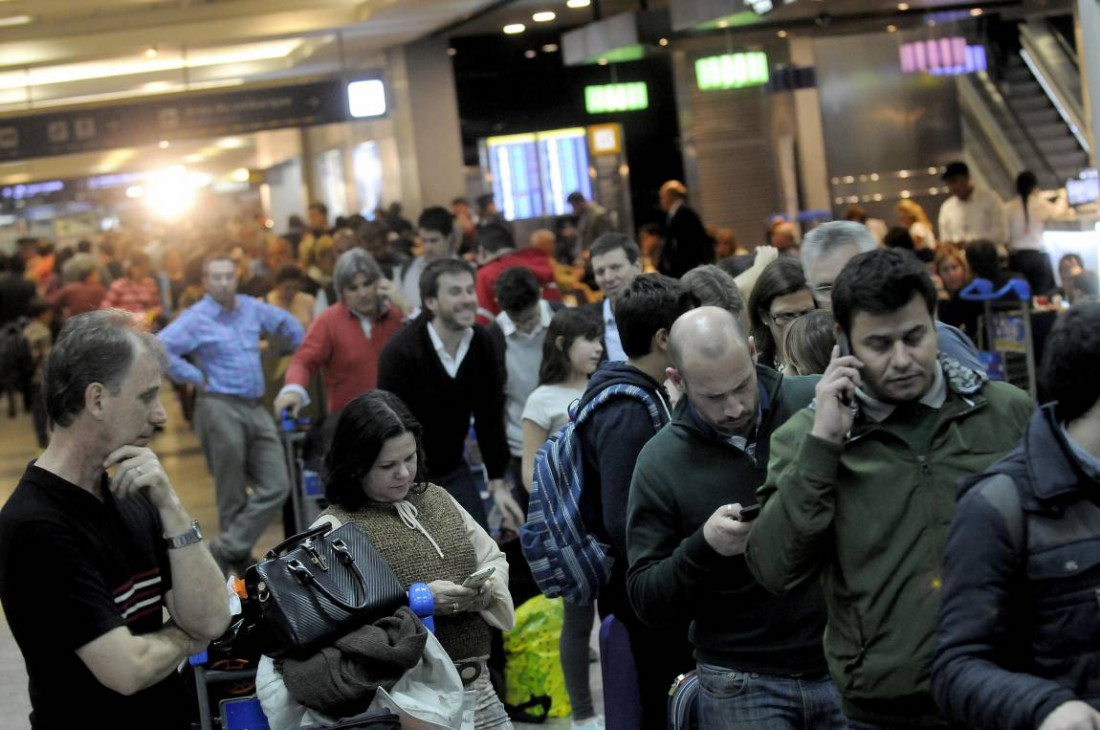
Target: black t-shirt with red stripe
(72, 568)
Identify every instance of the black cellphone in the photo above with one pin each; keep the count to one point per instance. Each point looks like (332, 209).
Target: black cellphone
(845, 351)
(749, 513)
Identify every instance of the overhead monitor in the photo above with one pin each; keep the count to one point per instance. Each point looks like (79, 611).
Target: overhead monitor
(1083, 189)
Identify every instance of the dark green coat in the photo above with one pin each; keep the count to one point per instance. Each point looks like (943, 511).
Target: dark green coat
(871, 516)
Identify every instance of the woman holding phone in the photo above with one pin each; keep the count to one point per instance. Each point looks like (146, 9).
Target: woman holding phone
(374, 478)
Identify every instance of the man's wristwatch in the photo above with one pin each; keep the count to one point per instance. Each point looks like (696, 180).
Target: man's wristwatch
(190, 537)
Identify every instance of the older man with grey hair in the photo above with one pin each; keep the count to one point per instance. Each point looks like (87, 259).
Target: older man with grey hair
(827, 249)
(95, 544)
(346, 340)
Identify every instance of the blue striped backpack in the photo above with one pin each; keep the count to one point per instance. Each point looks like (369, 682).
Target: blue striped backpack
(565, 559)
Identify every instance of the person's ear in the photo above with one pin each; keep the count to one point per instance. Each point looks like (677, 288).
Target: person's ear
(94, 396)
(660, 340)
(752, 350)
(431, 304)
(559, 343)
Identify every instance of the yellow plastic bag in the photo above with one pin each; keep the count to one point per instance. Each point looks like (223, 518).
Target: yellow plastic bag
(533, 665)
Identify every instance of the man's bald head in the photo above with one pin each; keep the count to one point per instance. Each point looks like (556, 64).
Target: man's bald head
(713, 364)
(706, 332)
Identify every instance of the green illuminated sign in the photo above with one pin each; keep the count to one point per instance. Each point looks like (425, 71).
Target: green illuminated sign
(731, 71)
(616, 98)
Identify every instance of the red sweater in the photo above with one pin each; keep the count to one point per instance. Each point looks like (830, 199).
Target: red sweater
(335, 343)
(532, 258)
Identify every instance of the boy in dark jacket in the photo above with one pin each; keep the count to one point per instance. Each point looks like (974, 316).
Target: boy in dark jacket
(1019, 638)
(610, 442)
(686, 538)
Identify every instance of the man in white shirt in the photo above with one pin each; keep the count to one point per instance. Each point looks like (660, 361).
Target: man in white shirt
(616, 262)
(971, 213)
(447, 369)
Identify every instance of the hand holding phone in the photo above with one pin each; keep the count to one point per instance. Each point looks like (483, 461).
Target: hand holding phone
(833, 402)
(749, 513)
(478, 578)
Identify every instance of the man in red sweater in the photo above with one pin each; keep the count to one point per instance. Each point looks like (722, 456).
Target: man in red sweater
(496, 251)
(345, 340)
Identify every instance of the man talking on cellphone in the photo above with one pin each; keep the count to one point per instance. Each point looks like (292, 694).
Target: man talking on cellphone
(89, 562)
(759, 657)
(860, 496)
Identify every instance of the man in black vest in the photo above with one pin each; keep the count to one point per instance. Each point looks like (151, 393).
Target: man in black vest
(1019, 635)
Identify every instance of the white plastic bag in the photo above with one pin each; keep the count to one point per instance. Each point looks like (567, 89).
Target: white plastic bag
(428, 697)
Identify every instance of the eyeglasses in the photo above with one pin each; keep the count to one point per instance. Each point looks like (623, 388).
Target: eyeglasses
(823, 289)
(785, 318)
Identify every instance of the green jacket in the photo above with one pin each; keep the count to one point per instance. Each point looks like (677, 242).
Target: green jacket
(871, 516)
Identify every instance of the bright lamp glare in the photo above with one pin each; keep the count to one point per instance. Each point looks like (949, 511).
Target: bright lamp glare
(367, 98)
(169, 193)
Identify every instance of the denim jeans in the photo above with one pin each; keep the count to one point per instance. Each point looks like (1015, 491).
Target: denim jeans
(730, 699)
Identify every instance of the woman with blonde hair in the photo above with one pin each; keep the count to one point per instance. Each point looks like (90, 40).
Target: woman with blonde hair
(912, 216)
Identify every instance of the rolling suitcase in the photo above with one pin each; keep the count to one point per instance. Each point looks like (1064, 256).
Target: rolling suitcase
(683, 703)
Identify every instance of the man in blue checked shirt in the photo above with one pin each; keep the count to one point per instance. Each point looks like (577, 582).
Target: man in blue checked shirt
(221, 335)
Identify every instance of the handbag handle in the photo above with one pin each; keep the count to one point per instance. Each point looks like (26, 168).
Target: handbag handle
(303, 574)
(295, 539)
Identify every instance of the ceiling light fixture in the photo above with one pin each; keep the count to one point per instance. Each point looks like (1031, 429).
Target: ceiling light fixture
(903, 7)
(529, 54)
(550, 48)
(452, 52)
(514, 28)
(576, 4)
(544, 17)
(975, 12)
(891, 29)
(164, 144)
(782, 34)
(151, 52)
(15, 20)
(663, 42)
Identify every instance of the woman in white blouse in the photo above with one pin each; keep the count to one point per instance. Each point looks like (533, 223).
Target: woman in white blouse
(1027, 215)
(572, 351)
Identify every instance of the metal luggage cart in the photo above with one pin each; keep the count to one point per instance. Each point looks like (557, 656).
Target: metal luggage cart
(1005, 338)
(306, 494)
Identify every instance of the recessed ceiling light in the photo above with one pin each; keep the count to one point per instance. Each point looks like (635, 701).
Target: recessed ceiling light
(782, 34)
(663, 42)
(530, 54)
(602, 62)
(15, 20)
(550, 48)
(723, 24)
(903, 7)
(452, 51)
(151, 52)
(164, 144)
(515, 28)
(578, 4)
(891, 29)
(544, 17)
(975, 12)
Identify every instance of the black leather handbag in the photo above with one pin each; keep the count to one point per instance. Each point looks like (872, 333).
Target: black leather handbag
(316, 586)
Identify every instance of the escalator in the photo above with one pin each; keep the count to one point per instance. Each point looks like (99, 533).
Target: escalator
(1027, 114)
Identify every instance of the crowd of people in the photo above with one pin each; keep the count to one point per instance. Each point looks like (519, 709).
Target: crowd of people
(814, 496)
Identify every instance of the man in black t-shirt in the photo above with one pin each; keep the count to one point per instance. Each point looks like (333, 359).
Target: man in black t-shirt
(88, 562)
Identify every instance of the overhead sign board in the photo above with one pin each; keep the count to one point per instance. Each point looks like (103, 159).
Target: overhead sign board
(180, 117)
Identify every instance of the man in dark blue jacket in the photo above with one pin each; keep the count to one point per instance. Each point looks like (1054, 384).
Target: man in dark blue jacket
(1019, 632)
(610, 443)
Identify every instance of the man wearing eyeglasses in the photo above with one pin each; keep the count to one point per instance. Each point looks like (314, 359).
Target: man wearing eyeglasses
(827, 249)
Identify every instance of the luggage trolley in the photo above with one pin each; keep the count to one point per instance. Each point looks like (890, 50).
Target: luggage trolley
(305, 484)
(1005, 337)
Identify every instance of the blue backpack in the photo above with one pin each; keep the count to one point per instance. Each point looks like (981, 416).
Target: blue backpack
(565, 559)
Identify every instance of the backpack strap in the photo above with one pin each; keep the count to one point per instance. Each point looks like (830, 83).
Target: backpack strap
(620, 390)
